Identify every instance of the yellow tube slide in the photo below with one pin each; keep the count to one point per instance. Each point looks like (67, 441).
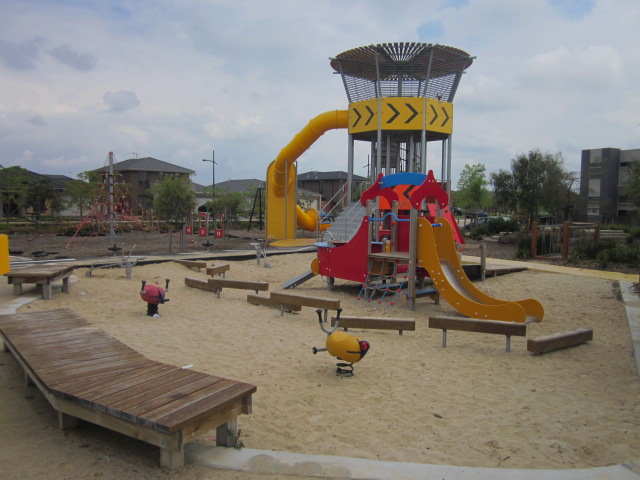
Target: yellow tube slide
(281, 177)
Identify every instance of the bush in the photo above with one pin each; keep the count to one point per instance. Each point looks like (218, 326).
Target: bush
(497, 225)
(523, 245)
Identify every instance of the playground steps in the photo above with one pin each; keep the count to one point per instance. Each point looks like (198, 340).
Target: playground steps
(348, 222)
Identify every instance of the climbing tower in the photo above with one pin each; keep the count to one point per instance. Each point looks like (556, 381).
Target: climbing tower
(401, 99)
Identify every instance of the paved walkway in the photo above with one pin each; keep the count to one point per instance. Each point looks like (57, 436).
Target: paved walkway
(335, 467)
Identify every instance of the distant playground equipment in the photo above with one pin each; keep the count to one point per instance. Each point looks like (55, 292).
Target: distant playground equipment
(218, 225)
(413, 237)
(5, 265)
(127, 263)
(261, 252)
(400, 98)
(154, 295)
(345, 347)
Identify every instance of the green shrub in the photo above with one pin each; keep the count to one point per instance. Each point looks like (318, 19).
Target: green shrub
(497, 225)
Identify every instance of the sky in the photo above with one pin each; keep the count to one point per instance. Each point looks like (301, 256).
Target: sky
(235, 80)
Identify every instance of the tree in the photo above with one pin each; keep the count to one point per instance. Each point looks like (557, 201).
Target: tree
(173, 201)
(632, 188)
(472, 187)
(230, 204)
(536, 181)
(81, 194)
(14, 182)
(39, 195)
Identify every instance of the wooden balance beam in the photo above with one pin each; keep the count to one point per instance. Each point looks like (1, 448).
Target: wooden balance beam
(559, 340)
(219, 283)
(479, 326)
(269, 302)
(196, 264)
(285, 298)
(218, 269)
(378, 323)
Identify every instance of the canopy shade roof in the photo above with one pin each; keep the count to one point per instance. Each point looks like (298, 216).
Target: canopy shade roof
(401, 70)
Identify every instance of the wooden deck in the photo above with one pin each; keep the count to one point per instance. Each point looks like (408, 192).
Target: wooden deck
(42, 275)
(85, 373)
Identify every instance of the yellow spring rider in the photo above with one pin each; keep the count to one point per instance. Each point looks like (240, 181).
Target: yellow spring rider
(343, 346)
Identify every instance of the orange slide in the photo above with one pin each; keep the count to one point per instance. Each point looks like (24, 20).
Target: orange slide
(438, 255)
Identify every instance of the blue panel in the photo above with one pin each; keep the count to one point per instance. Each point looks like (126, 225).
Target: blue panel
(405, 178)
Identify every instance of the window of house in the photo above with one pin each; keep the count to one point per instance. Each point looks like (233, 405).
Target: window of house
(143, 179)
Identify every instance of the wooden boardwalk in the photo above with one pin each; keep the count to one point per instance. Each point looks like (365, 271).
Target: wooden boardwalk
(85, 373)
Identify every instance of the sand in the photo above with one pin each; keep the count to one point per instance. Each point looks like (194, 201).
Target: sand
(410, 400)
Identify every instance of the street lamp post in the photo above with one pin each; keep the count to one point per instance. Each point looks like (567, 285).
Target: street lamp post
(213, 170)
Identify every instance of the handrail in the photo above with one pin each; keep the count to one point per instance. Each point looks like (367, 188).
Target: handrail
(390, 214)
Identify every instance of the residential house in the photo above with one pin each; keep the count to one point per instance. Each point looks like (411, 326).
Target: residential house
(331, 186)
(8, 205)
(141, 174)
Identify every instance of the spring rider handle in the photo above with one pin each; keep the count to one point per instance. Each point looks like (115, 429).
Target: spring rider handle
(335, 327)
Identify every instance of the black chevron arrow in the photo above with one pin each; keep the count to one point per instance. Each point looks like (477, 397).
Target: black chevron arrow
(446, 115)
(371, 114)
(355, 110)
(435, 113)
(395, 114)
(415, 112)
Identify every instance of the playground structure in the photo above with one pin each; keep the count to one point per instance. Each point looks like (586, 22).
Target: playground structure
(110, 209)
(412, 244)
(400, 99)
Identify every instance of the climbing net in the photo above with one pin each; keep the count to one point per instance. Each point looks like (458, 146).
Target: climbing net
(381, 286)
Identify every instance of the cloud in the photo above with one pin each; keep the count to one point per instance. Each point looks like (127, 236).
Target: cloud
(78, 61)
(37, 120)
(121, 101)
(21, 56)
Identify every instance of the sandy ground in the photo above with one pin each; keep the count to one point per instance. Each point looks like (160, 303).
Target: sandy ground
(470, 404)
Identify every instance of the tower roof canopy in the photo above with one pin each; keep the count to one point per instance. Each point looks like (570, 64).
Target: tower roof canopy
(401, 70)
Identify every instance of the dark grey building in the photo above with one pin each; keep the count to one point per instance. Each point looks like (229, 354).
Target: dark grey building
(604, 173)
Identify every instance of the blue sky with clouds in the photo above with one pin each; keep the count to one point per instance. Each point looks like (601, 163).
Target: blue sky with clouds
(176, 79)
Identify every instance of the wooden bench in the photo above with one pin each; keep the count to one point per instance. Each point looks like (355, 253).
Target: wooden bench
(269, 302)
(195, 264)
(285, 298)
(508, 329)
(378, 323)
(559, 340)
(218, 269)
(42, 275)
(87, 374)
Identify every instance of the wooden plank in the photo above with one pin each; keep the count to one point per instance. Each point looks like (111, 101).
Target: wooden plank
(219, 283)
(269, 302)
(379, 323)
(199, 283)
(218, 269)
(305, 301)
(479, 326)
(559, 340)
(192, 263)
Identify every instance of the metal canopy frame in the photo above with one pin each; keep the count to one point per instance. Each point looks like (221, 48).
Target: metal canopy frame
(401, 70)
